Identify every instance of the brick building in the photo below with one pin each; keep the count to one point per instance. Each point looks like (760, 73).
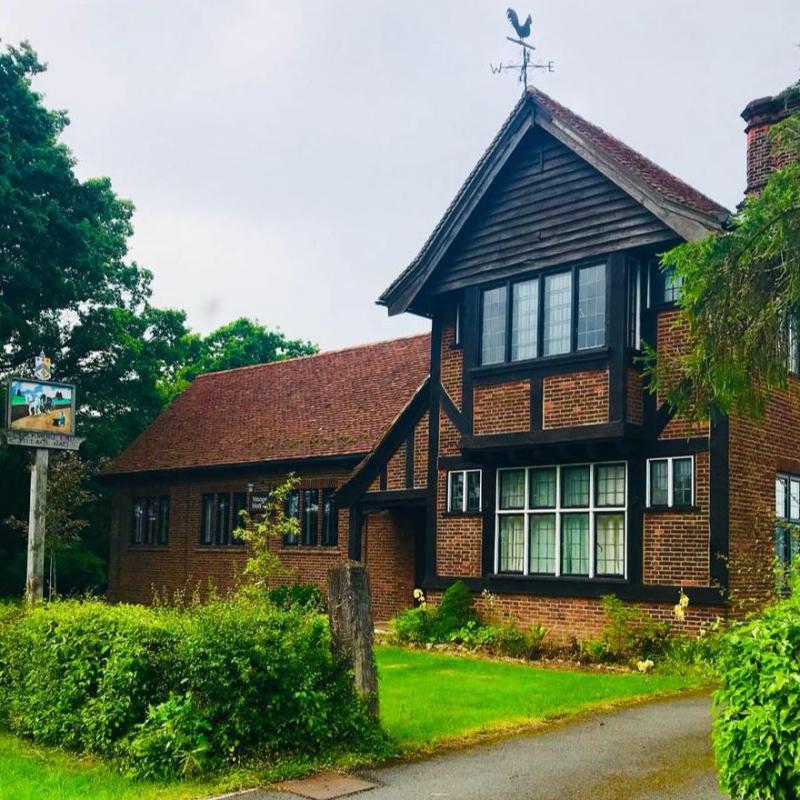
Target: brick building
(515, 448)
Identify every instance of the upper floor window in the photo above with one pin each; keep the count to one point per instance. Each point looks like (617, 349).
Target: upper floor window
(667, 285)
(544, 316)
(634, 305)
(464, 491)
(670, 482)
(787, 522)
(562, 520)
(150, 521)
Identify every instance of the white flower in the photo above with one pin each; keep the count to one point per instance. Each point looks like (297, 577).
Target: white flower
(645, 666)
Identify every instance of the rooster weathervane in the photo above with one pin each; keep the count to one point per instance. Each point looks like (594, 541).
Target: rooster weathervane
(523, 31)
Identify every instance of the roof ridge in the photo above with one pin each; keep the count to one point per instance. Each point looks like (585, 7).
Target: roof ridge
(334, 351)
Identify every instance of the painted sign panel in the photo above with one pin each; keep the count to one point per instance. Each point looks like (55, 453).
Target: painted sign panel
(41, 407)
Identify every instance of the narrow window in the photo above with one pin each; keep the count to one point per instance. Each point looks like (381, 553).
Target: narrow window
(610, 544)
(137, 520)
(787, 522)
(591, 306)
(151, 520)
(682, 482)
(557, 313)
(459, 322)
(493, 334)
(575, 487)
(512, 533)
(330, 519)
(524, 320)
(456, 492)
(473, 491)
(239, 505)
(671, 285)
(670, 482)
(610, 485)
(659, 482)
(575, 544)
(793, 349)
(207, 519)
(223, 522)
(543, 488)
(542, 550)
(464, 491)
(292, 511)
(634, 305)
(163, 520)
(310, 517)
(512, 489)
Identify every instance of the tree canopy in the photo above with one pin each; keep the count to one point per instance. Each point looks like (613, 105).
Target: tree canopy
(740, 299)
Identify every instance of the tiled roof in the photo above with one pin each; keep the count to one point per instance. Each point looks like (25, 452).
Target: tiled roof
(336, 403)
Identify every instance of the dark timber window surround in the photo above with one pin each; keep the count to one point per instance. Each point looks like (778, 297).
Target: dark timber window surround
(150, 521)
(787, 522)
(670, 482)
(553, 313)
(568, 520)
(308, 515)
(464, 491)
(220, 517)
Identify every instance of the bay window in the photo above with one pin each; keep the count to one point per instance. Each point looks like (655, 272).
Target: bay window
(553, 314)
(562, 520)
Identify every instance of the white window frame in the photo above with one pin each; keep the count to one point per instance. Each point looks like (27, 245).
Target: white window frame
(463, 509)
(670, 496)
(592, 510)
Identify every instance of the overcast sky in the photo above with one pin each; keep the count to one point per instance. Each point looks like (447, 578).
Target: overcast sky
(287, 160)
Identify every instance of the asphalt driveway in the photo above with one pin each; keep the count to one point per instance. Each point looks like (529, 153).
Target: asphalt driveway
(656, 751)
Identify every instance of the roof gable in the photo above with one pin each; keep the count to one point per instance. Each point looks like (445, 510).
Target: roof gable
(679, 207)
(331, 404)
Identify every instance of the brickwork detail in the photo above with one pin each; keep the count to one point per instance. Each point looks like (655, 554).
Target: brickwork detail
(502, 408)
(421, 452)
(449, 437)
(396, 469)
(634, 397)
(676, 543)
(458, 538)
(452, 359)
(578, 398)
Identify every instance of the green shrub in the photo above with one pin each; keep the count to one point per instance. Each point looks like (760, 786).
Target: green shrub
(412, 626)
(506, 639)
(453, 612)
(304, 596)
(176, 690)
(757, 728)
(629, 633)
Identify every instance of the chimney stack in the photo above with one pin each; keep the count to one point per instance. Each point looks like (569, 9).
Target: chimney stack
(760, 115)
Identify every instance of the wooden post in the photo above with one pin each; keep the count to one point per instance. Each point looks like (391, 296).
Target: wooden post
(352, 628)
(34, 584)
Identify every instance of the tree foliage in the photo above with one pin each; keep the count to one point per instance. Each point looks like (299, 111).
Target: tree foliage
(740, 299)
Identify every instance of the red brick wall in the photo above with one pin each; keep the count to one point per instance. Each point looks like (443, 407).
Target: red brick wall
(458, 538)
(451, 360)
(634, 398)
(396, 469)
(761, 160)
(578, 398)
(449, 437)
(502, 407)
(676, 543)
(388, 547)
(135, 572)
(421, 452)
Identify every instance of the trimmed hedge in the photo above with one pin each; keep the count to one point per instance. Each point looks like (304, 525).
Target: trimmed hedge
(757, 729)
(171, 691)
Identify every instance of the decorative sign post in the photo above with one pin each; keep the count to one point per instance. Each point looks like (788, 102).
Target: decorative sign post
(40, 414)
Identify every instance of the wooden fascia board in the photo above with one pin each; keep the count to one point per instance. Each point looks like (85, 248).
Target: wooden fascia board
(688, 224)
(459, 215)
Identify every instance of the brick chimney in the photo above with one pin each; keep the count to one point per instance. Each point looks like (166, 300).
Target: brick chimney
(760, 115)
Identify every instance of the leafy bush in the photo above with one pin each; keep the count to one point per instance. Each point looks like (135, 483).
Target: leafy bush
(453, 612)
(176, 690)
(506, 639)
(757, 729)
(302, 596)
(413, 626)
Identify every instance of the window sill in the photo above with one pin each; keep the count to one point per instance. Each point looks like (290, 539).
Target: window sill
(219, 548)
(672, 510)
(578, 579)
(309, 548)
(147, 548)
(449, 514)
(564, 359)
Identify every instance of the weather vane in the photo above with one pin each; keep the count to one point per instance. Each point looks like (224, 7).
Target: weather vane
(523, 31)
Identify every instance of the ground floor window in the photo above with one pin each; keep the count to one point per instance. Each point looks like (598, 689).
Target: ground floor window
(150, 521)
(220, 517)
(568, 520)
(787, 519)
(314, 528)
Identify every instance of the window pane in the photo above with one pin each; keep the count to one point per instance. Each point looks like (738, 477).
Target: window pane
(473, 490)
(310, 516)
(151, 520)
(575, 544)
(493, 335)
(512, 529)
(781, 544)
(223, 518)
(672, 286)
(512, 488)
(542, 548)
(682, 482)
(575, 487)
(610, 484)
(524, 320)
(792, 363)
(456, 492)
(634, 309)
(239, 505)
(557, 313)
(292, 511)
(207, 520)
(330, 519)
(794, 500)
(137, 521)
(659, 488)
(610, 544)
(543, 488)
(591, 306)
(780, 497)
(163, 520)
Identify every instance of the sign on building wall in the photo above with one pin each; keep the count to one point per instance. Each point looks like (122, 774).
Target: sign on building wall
(41, 414)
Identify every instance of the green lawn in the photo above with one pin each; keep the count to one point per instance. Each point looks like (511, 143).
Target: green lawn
(429, 697)
(426, 697)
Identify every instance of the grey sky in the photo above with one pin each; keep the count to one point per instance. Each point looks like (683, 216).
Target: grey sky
(287, 160)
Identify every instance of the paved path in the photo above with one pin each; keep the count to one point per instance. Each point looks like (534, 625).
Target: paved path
(655, 751)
